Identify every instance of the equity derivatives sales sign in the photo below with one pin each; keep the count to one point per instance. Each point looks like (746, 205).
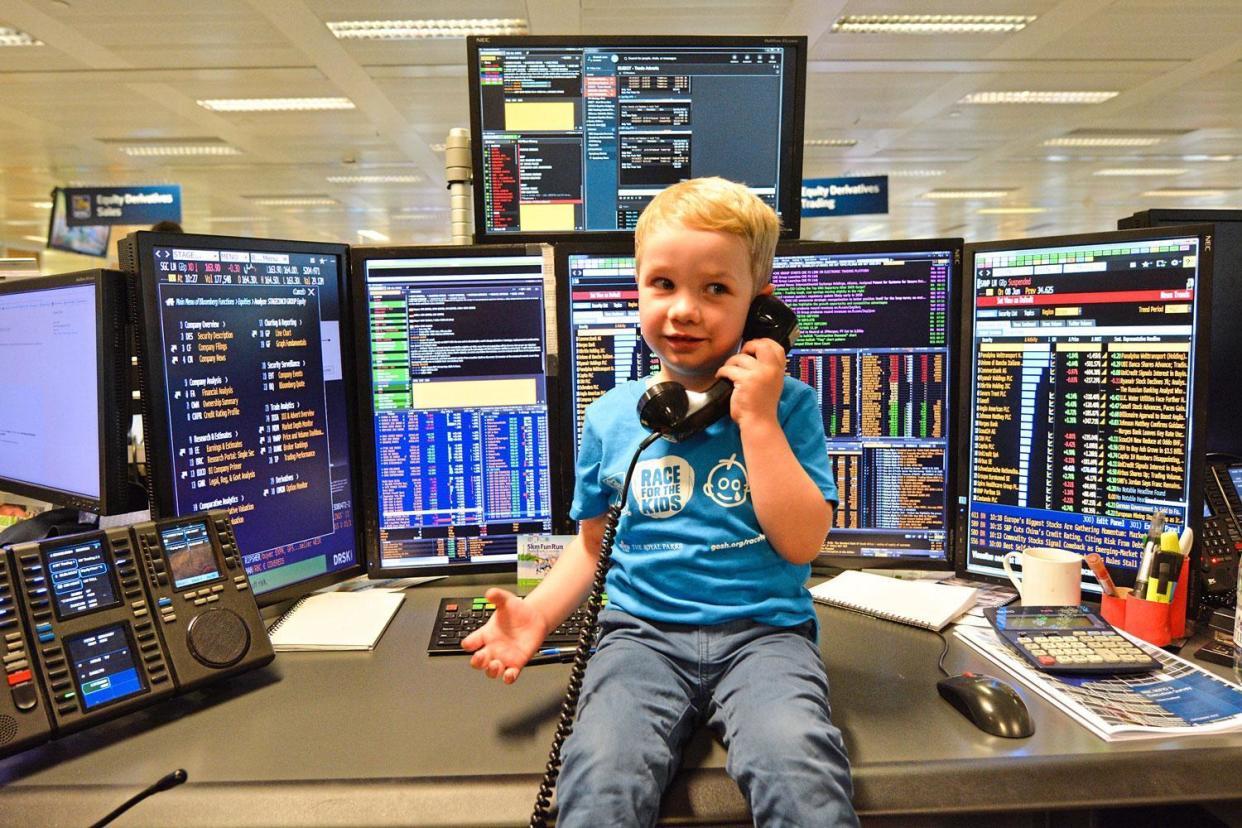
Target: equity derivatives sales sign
(844, 196)
(122, 205)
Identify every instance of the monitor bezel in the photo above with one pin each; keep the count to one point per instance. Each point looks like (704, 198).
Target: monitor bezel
(136, 253)
(364, 404)
(112, 392)
(791, 212)
(831, 562)
(59, 209)
(561, 252)
(1196, 430)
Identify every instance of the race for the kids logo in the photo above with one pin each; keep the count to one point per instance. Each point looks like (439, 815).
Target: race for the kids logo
(727, 483)
(663, 486)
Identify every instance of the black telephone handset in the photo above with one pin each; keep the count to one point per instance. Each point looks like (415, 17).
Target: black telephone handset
(1220, 541)
(665, 407)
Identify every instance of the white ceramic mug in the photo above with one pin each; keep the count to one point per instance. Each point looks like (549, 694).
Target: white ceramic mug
(1050, 577)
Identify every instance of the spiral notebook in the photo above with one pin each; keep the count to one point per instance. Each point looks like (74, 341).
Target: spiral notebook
(918, 603)
(335, 621)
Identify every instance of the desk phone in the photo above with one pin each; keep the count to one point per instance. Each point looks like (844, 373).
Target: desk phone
(110, 621)
(1067, 640)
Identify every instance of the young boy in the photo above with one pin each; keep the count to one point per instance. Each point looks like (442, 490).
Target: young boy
(708, 616)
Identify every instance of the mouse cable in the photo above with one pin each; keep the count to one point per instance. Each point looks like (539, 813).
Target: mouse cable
(944, 651)
(168, 780)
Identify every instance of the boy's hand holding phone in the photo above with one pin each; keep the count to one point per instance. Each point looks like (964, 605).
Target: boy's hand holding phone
(758, 375)
(503, 645)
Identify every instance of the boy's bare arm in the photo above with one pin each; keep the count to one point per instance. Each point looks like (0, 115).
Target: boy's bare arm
(789, 506)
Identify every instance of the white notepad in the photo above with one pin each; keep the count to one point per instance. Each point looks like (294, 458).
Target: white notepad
(335, 621)
(918, 603)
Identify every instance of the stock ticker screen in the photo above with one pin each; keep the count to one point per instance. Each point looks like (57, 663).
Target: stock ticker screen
(460, 407)
(256, 406)
(580, 138)
(874, 345)
(1081, 379)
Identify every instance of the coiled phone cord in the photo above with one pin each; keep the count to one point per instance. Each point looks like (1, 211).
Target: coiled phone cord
(586, 638)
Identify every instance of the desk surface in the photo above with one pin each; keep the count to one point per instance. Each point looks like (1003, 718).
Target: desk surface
(397, 737)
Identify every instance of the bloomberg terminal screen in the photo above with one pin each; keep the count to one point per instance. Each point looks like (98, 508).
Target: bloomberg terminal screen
(580, 138)
(256, 403)
(460, 406)
(874, 344)
(1081, 386)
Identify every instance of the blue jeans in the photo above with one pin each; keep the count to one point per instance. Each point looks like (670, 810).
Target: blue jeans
(761, 689)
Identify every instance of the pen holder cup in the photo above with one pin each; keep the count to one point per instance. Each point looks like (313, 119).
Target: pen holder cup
(1153, 621)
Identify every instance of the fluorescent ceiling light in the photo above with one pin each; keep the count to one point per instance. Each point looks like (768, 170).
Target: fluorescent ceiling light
(425, 29)
(25, 222)
(426, 216)
(16, 37)
(966, 194)
(274, 104)
(912, 173)
(35, 238)
(1128, 171)
(373, 235)
(1105, 141)
(293, 200)
(1209, 157)
(146, 150)
(931, 23)
(830, 142)
(375, 179)
(1011, 211)
(1189, 192)
(234, 219)
(41, 205)
(1027, 96)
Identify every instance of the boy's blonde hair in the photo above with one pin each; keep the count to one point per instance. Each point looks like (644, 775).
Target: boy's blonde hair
(719, 205)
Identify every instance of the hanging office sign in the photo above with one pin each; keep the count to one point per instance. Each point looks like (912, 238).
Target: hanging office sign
(844, 196)
(122, 205)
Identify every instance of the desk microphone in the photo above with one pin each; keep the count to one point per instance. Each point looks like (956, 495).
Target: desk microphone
(165, 782)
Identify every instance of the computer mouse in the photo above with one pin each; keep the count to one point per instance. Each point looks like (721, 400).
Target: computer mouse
(991, 704)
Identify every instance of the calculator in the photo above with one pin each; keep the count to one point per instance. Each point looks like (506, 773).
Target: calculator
(1068, 640)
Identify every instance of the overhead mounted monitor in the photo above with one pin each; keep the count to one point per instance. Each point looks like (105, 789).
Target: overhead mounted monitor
(454, 405)
(575, 135)
(63, 428)
(1082, 399)
(88, 240)
(247, 398)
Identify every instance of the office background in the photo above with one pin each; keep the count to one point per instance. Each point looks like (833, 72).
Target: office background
(117, 85)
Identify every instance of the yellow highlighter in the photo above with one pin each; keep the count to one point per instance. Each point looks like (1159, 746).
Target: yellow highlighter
(1165, 570)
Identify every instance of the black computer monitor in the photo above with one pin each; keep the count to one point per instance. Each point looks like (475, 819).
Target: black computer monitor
(87, 240)
(1082, 386)
(876, 344)
(65, 389)
(1224, 396)
(576, 134)
(247, 397)
(454, 407)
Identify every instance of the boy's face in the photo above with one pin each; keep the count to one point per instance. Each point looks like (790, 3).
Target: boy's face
(694, 289)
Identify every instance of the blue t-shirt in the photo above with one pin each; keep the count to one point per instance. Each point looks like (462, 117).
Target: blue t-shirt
(689, 549)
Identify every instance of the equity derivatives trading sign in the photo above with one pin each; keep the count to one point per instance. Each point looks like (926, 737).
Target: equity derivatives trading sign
(844, 196)
(122, 205)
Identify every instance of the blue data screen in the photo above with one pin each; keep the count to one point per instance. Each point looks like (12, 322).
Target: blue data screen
(1081, 387)
(460, 407)
(104, 666)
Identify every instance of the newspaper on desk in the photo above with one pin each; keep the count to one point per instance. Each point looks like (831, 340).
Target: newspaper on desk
(1179, 698)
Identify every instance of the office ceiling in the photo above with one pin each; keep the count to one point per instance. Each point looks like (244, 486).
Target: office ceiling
(118, 71)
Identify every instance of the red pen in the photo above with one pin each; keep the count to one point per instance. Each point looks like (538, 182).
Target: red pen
(1101, 573)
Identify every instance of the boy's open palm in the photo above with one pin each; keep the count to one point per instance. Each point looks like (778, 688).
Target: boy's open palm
(503, 645)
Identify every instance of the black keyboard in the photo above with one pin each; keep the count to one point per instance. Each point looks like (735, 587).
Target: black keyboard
(456, 618)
